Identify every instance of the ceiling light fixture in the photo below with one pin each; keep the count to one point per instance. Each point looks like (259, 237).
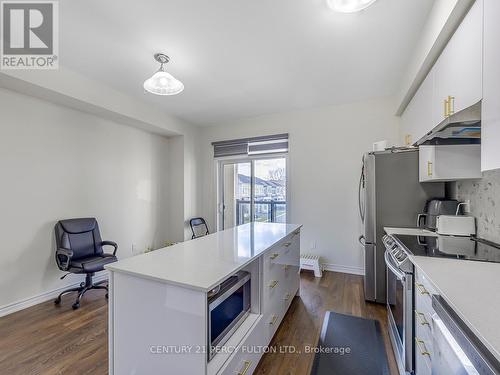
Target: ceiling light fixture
(163, 83)
(349, 6)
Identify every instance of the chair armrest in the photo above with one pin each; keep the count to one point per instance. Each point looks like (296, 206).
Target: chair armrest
(67, 254)
(110, 243)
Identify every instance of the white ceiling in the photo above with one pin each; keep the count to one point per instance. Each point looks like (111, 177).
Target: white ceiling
(241, 58)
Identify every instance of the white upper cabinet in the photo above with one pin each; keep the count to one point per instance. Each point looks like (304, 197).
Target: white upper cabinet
(490, 117)
(458, 81)
(449, 162)
(454, 83)
(417, 117)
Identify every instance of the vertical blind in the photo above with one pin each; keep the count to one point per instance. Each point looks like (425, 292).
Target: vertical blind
(269, 144)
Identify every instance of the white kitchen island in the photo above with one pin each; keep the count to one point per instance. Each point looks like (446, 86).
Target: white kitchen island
(158, 309)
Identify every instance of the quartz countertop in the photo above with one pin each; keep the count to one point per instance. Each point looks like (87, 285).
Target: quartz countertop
(203, 263)
(472, 289)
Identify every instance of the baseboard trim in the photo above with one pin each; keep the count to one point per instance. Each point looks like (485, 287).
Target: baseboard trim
(43, 297)
(344, 269)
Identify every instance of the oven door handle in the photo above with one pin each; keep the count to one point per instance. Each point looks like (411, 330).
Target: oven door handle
(399, 274)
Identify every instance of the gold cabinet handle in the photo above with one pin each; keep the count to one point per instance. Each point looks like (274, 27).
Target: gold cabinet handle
(273, 321)
(451, 105)
(287, 297)
(446, 107)
(421, 347)
(247, 365)
(421, 318)
(422, 289)
(408, 139)
(273, 284)
(275, 255)
(429, 168)
(285, 267)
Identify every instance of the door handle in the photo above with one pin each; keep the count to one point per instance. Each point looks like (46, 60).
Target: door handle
(451, 105)
(421, 347)
(246, 366)
(421, 289)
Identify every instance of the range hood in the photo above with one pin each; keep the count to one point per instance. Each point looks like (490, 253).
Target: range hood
(460, 128)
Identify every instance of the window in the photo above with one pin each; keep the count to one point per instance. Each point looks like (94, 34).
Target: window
(252, 190)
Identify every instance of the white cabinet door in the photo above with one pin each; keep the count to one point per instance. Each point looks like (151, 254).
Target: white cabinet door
(416, 120)
(458, 71)
(490, 134)
(449, 162)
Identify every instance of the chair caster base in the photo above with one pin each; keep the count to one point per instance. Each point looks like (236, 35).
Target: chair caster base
(57, 301)
(75, 306)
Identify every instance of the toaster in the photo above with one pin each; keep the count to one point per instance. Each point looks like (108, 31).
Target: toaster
(433, 209)
(456, 225)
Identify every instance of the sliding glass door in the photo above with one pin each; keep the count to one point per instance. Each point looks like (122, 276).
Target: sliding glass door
(252, 190)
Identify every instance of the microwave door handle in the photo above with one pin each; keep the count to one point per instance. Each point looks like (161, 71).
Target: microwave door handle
(399, 274)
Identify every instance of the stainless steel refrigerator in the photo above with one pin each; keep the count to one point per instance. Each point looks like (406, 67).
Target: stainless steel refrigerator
(390, 194)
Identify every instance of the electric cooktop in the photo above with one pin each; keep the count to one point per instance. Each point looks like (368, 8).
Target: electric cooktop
(467, 248)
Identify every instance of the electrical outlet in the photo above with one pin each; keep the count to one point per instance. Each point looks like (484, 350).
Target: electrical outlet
(313, 245)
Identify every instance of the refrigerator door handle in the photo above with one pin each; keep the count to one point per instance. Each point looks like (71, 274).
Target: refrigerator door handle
(362, 241)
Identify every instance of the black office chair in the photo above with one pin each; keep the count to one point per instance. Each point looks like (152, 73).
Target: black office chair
(79, 250)
(198, 225)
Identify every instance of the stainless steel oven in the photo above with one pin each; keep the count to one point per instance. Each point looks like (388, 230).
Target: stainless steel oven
(400, 303)
(228, 305)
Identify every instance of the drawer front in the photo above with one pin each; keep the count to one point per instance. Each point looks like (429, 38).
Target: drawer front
(272, 295)
(422, 358)
(423, 293)
(246, 357)
(281, 274)
(423, 324)
(271, 322)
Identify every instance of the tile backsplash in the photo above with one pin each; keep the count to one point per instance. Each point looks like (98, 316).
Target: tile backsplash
(484, 196)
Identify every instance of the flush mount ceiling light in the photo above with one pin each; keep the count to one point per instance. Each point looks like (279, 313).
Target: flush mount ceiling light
(163, 83)
(349, 6)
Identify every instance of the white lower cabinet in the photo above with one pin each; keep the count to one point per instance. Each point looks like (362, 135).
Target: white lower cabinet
(280, 283)
(423, 324)
(449, 162)
(247, 355)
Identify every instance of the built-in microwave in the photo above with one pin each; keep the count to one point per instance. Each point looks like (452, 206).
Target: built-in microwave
(228, 306)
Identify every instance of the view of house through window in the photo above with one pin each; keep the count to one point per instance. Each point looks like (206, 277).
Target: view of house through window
(253, 191)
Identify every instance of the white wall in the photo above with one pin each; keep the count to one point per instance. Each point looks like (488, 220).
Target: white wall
(326, 146)
(57, 163)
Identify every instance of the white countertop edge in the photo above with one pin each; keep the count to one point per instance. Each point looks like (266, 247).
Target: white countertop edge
(185, 285)
(410, 231)
(495, 352)
(111, 268)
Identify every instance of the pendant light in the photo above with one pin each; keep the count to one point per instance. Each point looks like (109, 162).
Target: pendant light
(163, 83)
(349, 6)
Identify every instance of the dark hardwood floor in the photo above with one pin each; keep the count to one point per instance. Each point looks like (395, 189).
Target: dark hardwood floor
(46, 339)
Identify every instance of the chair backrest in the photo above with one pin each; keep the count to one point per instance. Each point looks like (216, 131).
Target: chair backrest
(199, 227)
(81, 236)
